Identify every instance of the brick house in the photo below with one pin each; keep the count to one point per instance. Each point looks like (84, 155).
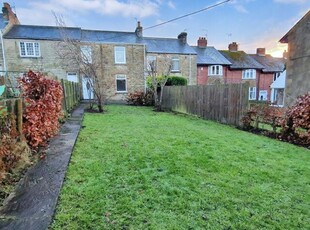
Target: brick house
(298, 60)
(122, 55)
(244, 68)
(273, 67)
(211, 64)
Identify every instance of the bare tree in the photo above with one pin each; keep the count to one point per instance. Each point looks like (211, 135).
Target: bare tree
(159, 71)
(86, 58)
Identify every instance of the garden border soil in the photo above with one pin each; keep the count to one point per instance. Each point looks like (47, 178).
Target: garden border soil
(33, 203)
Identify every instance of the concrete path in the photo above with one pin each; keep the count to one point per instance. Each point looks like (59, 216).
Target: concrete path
(33, 204)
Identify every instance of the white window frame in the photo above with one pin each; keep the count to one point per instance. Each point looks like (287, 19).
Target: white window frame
(149, 59)
(249, 74)
(86, 53)
(252, 93)
(24, 49)
(72, 74)
(121, 77)
(174, 60)
(215, 70)
(263, 93)
(120, 54)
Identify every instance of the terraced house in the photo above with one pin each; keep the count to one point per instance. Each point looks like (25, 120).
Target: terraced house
(122, 56)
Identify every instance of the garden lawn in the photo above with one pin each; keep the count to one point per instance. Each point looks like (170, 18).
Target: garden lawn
(133, 168)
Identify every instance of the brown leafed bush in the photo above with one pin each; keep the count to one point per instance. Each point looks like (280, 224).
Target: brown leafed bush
(296, 125)
(140, 98)
(43, 98)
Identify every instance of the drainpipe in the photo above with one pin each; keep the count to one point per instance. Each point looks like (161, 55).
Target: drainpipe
(3, 51)
(190, 69)
(144, 67)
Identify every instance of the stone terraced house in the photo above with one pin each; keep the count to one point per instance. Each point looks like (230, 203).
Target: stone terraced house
(123, 56)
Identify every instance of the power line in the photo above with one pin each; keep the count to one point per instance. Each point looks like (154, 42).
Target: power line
(189, 14)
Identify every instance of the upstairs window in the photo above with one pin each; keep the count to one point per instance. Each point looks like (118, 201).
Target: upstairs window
(215, 70)
(120, 55)
(29, 49)
(175, 64)
(151, 63)
(249, 74)
(86, 54)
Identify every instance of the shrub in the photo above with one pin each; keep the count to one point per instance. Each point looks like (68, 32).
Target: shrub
(140, 98)
(172, 80)
(43, 99)
(175, 80)
(296, 125)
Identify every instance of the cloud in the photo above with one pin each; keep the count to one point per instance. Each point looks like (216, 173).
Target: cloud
(171, 4)
(39, 12)
(239, 5)
(241, 9)
(290, 1)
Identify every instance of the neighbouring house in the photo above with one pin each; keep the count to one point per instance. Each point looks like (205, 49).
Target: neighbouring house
(278, 89)
(272, 68)
(298, 60)
(244, 68)
(211, 64)
(123, 56)
(7, 19)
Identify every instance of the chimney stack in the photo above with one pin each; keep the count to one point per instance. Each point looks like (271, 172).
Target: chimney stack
(139, 30)
(233, 47)
(202, 42)
(261, 51)
(8, 15)
(183, 37)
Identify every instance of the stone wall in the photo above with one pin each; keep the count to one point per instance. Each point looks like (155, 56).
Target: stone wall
(188, 66)
(298, 67)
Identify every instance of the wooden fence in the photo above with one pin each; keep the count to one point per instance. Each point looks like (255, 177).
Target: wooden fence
(14, 106)
(72, 94)
(222, 103)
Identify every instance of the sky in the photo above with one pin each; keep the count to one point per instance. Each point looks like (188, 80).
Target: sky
(250, 23)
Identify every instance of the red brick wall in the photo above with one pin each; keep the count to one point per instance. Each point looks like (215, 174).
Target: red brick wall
(233, 76)
(202, 75)
(265, 81)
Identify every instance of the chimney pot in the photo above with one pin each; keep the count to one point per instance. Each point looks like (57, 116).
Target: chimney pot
(233, 47)
(183, 37)
(261, 51)
(139, 30)
(202, 42)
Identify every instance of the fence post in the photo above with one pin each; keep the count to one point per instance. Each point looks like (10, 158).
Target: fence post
(64, 102)
(19, 114)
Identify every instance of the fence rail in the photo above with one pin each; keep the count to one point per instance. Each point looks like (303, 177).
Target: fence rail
(223, 103)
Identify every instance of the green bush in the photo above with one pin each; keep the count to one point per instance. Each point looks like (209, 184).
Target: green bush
(175, 80)
(172, 80)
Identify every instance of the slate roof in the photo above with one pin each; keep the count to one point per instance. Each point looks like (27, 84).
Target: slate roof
(42, 32)
(153, 45)
(241, 60)
(210, 56)
(271, 64)
(166, 45)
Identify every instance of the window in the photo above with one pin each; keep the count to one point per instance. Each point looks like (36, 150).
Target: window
(72, 76)
(215, 70)
(29, 49)
(121, 83)
(175, 64)
(249, 74)
(252, 93)
(120, 55)
(151, 62)
(86, 54)
(263, 95)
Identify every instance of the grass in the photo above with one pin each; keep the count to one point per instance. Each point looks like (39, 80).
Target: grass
(133, 168)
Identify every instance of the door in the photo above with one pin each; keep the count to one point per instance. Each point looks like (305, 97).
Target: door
(87, 84)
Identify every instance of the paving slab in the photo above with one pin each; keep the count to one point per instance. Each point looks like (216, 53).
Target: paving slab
(33, 203)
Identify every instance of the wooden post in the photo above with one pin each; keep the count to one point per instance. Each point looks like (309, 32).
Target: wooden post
(19, 115)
